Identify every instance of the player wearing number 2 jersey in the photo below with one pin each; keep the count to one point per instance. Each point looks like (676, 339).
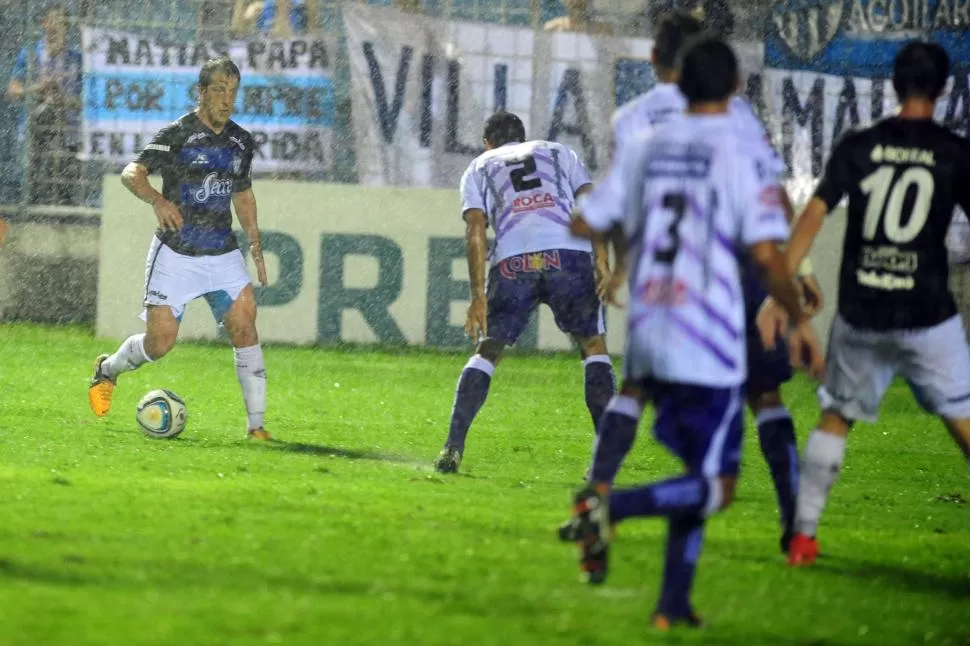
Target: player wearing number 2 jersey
(693, 196)
(896, 315)
(525, 191)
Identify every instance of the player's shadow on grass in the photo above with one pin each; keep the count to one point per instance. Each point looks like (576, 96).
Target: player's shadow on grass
(334, 452)
(956, 586)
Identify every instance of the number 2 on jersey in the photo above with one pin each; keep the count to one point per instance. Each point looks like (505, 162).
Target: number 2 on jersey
(521, 181)
(883, 184)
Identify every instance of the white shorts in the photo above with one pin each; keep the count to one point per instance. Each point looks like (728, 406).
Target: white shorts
(861, 365)
(175, 279)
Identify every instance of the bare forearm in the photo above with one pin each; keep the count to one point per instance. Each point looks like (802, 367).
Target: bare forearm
(781, 286)
(620, 249)
(601, 253)
(787, 205)
(136, 180)
(804, 233)
(475, 248)
(246, 214)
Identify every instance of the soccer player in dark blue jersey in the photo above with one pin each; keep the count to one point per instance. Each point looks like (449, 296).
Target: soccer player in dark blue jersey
(205, 161)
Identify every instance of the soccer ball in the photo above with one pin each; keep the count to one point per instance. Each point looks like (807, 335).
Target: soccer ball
(161, 414)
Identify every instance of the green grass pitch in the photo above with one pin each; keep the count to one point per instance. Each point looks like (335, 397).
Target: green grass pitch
(342, 534)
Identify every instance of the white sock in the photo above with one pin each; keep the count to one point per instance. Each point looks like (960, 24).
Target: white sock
(252, 377)
(130, 356)
(821, 464)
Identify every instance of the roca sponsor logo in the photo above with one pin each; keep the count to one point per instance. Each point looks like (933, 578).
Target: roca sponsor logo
(535, 201)
(212, 186)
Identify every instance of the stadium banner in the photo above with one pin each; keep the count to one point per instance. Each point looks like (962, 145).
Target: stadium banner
(422, 87)
(348, 263)
(828, 65)
(136, 84)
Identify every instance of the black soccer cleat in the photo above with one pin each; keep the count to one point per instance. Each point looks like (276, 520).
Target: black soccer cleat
(448, 460)
(591, 516)
(785, 540)
(569, 531)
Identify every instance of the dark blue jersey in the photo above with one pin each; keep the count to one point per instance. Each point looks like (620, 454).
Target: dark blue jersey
(200, 172)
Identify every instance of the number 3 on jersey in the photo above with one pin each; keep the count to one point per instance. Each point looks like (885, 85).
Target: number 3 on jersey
(521, 180)
(883, 184)
(676, 202)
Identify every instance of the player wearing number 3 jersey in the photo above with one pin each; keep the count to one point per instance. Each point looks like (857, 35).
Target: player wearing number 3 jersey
(690, 198)
(525, 191)
(896, 315)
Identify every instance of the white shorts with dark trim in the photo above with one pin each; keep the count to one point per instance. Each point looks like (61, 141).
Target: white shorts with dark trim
(935, 362)
(175, 280)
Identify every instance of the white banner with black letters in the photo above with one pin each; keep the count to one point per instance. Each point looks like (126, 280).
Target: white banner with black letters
(422, 88)
(135, 84)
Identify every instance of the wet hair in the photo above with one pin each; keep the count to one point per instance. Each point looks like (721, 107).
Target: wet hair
(215, 65)
(674, 31)
(921, 70)
(708, 71)
(503, 128)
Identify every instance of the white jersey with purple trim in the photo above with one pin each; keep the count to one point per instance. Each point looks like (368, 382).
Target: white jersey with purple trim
(642, 116)
(691, 195)
(664, 101)
(527, 191)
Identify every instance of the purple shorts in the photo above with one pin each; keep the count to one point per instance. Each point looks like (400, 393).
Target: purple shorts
(562, 279)
(701, 425)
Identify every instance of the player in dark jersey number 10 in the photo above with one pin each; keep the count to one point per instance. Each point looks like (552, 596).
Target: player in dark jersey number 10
(896, 315)
(205, 161)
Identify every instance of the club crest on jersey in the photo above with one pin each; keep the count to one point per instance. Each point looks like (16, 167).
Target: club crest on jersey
(663, 291)
(212, 186)
(530, 263)
(807, 26)
(532, 202)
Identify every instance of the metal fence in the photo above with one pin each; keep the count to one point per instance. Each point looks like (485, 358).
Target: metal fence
(42, 174)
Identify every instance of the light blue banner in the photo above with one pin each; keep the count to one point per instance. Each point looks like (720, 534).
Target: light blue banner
(264, 100)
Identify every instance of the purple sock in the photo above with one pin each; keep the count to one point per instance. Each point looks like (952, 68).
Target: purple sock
(469, 396)
(776, 433)
(684, 496)
(685, 537)
(600, 386)
(614, 437)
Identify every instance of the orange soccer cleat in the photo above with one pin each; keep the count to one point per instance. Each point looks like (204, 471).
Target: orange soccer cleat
(101, 389)
(259, 434)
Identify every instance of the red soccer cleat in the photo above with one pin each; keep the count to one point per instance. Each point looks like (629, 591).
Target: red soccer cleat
(802, 551)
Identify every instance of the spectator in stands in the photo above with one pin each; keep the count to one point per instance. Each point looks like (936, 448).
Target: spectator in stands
(249, 18)
(51, 100)
(716, 15)
(579, 18)
(410, 6)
